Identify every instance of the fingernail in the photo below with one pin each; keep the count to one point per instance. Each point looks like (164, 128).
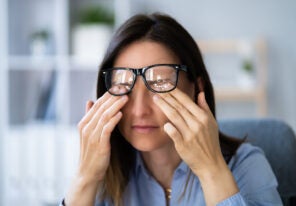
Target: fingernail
(119, 114)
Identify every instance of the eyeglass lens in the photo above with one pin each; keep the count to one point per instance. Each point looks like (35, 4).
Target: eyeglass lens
(160, 78)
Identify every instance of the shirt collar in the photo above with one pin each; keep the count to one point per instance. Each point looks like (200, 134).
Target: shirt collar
(140, 166)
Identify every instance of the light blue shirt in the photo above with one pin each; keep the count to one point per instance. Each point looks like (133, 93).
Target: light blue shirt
(252, 172)
(254, 177)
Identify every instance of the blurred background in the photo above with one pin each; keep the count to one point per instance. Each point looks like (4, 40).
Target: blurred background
(50, 51)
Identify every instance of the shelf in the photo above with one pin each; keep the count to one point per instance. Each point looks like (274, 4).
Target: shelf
(42, 98)
(28, 62)
(88, 64)
(238, 94)
(238, 50)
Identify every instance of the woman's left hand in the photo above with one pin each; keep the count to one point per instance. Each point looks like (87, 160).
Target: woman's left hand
(193, 129)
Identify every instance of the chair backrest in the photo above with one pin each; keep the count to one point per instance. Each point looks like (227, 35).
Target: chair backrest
(278, 142)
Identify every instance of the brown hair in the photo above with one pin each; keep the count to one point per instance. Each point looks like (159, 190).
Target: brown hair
(168, 32)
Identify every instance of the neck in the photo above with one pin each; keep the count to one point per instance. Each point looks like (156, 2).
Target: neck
(161, 163)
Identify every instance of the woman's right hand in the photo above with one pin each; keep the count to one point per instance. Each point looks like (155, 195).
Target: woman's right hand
(95, 129)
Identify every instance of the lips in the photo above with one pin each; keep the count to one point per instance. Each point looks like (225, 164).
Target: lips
(144, 129)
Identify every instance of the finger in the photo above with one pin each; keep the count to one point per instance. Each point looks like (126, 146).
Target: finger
(107, 110)
(99, 112)
(88, 106)
(172, 114)
(85, 129)
(89, 134)
(93, 109)
(190, 104)
(180, 107)
(108, 128)
(102, 118)
(193, 123)
(202, 102)
(200, 109)
(173, 133)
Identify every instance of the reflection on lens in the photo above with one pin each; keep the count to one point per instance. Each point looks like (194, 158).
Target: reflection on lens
(120, 89)
(119, 81)
(162, 86)
(161, 78)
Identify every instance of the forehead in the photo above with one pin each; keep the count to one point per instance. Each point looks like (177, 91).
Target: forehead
(144, 53)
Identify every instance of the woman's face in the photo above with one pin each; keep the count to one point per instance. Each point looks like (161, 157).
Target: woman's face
(142, 121)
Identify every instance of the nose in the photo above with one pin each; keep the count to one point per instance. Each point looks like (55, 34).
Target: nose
(140, 99)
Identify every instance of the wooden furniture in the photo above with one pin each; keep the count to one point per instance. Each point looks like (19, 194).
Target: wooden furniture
(256, 50)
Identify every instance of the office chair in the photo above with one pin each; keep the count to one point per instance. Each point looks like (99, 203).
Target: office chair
(278, 142)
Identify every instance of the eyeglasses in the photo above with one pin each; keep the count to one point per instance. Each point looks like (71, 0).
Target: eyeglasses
(158, 78)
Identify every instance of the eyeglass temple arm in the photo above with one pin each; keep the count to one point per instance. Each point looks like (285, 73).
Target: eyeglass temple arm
(183, 68)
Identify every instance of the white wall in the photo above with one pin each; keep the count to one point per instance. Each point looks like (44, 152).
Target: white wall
(271, 19)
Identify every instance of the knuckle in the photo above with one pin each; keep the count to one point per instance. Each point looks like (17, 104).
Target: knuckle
(98, 103)
(174, 114)
(181, 148)
(191, 140)
(215, 124)
(85, 131)
(203, 118)
(179, 107)
(105, 116)
(208, 121)
(197, 128)
(92, 141)
(102, 107)
(80, 125)
(107, 129)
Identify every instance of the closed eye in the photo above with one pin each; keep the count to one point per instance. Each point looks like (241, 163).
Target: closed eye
(159, 81)
(121, 84)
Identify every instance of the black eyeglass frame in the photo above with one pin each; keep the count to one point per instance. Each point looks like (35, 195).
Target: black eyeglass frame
(141, 72)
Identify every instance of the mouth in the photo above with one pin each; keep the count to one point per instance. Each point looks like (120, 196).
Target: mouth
(144, 129)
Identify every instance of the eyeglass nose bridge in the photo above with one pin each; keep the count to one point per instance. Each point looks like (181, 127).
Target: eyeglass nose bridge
(139, 72)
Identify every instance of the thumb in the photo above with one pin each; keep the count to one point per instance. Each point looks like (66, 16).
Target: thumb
(202, 102)
(88, 105)
(173, 133)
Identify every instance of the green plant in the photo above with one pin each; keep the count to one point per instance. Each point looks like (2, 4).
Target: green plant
(96, 14)
(248, 65)
(40, 34)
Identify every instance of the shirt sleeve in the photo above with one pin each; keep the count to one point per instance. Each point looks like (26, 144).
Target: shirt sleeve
(255, 179)
(235, 200)
(62, 203)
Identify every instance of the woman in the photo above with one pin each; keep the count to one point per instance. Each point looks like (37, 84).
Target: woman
(151, 138)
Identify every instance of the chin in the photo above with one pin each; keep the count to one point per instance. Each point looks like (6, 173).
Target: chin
(148, 143)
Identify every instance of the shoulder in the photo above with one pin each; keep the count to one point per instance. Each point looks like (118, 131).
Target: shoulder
(252, 171)
(246, 153)
(249, 159)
